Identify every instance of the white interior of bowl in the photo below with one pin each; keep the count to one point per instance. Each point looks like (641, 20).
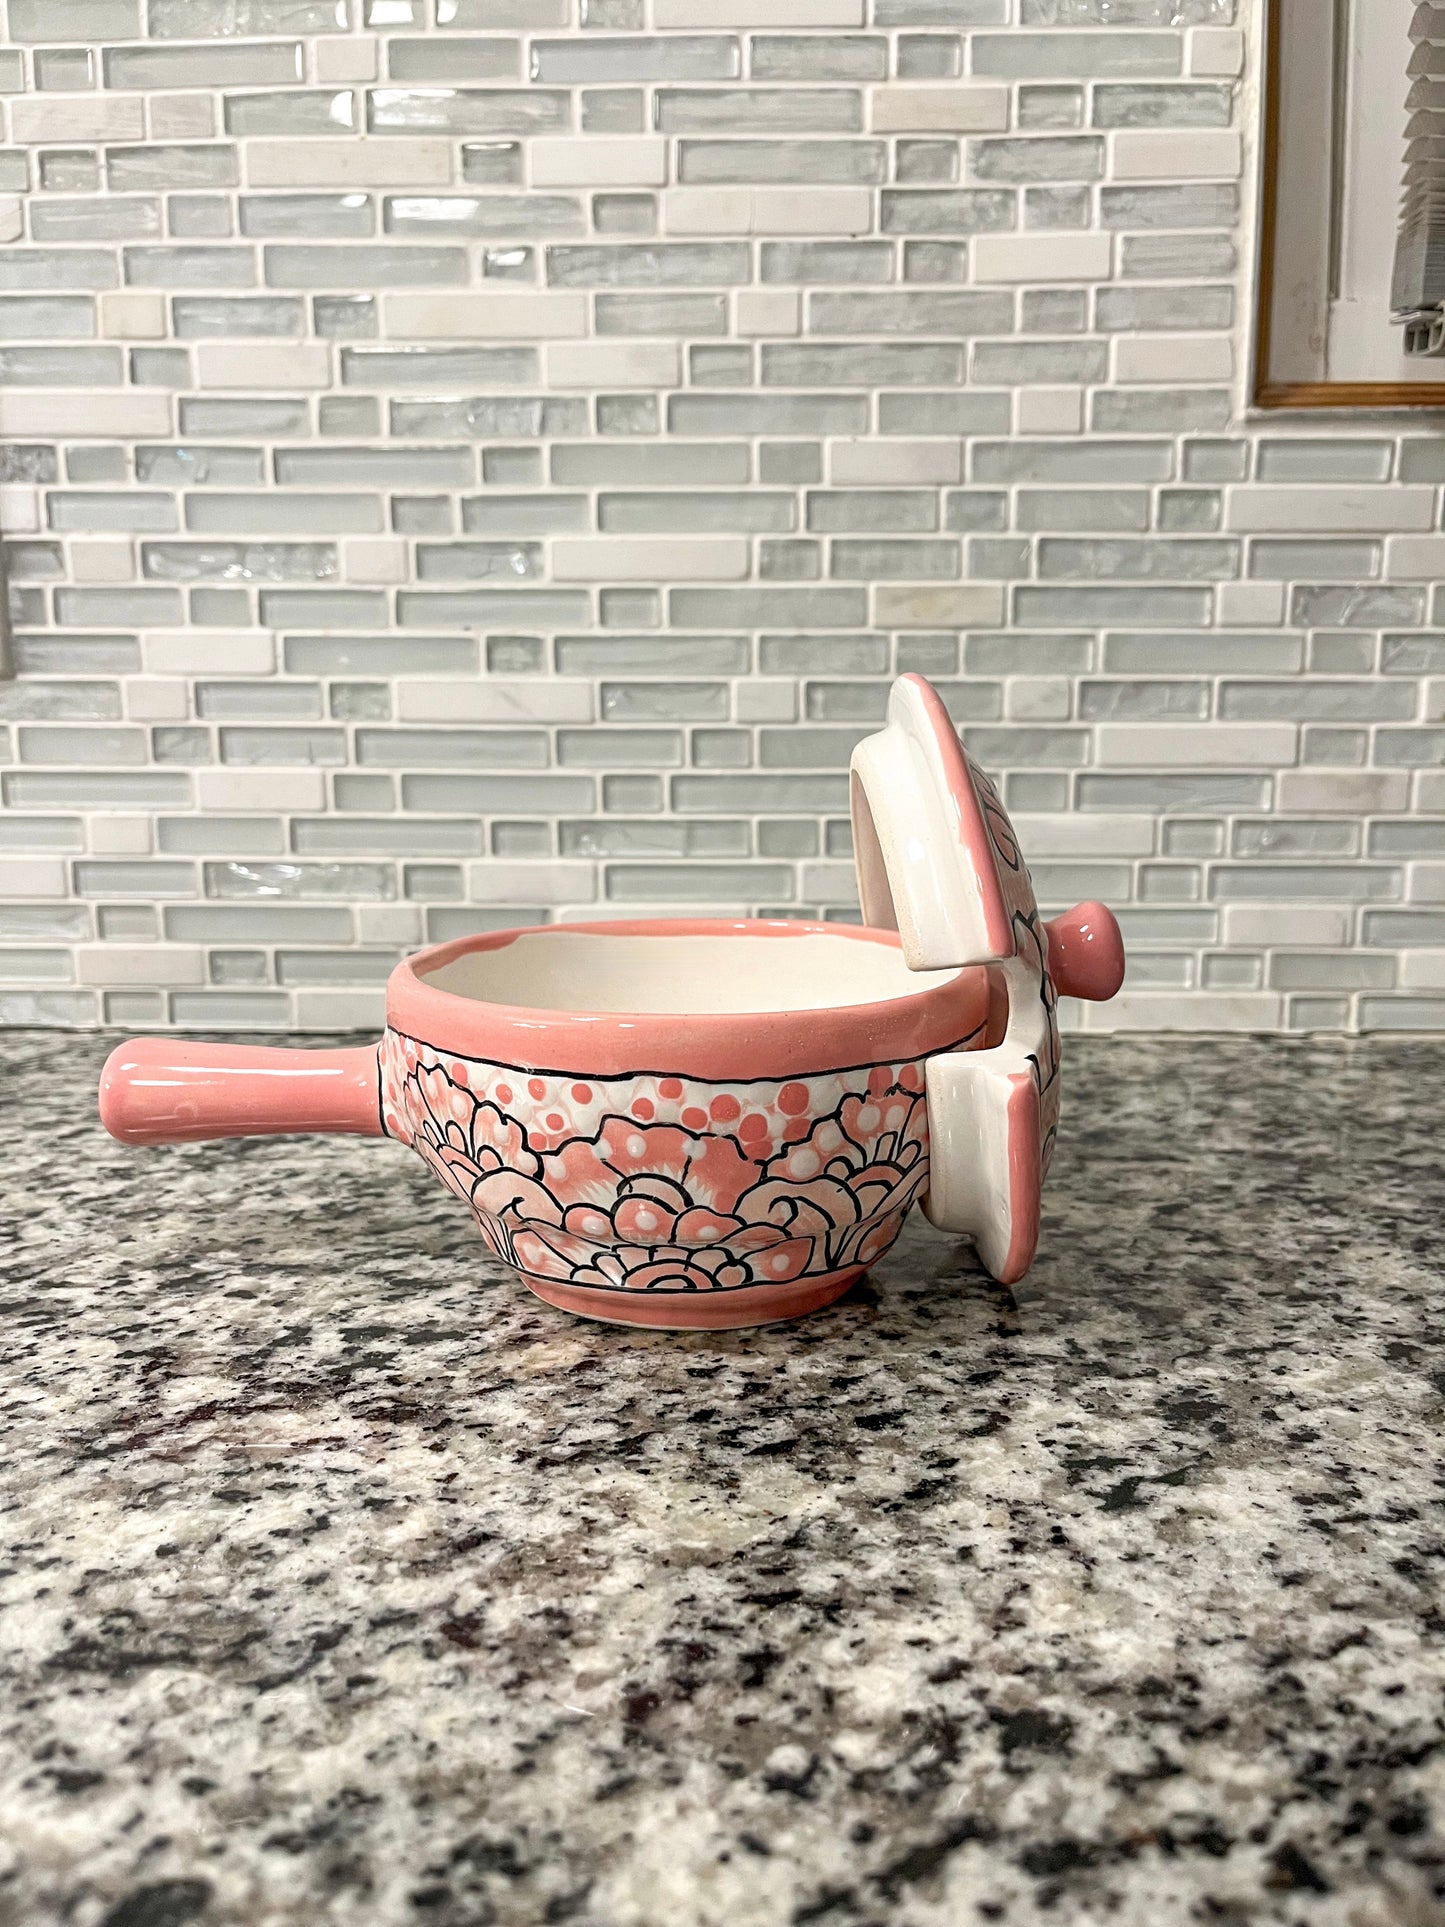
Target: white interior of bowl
(592, 970)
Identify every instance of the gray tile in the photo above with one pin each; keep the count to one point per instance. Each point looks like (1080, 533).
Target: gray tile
(238, 561)
(1037, 157)
(452, 58)
(1049, 56)
(752, 414)
(859, 163)
(1066, 608)
(1314, 607)
(1164, 410)
(910, 314)
(842, 364)
(827, 262)
(52, 269)
(652, 655)
(207, 316)
(755, 110)
(489, 795)
(534, 217)
(1142, 257)
(1150, 310)
(197, 19)
(653, 265)
(387, 836)
(961, 210)
(813, 56)
(184, 267)
(1329, 559)
(397, 266)
(1201, 104)
(86, 20)
(1189, 792)
(1210, 653)
(607, 62)
(467, 110)
(755, 608)
(151, 69)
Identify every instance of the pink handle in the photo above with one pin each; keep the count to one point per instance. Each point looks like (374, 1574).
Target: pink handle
(1086, 953)
(170, 1090)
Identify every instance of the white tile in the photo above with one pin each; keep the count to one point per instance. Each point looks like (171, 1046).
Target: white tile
(389, 923)
(667, 14)
(157, 699)
(1195, 745)
(1343, 792)
(1038, 699)
(1050, 411)
(524, 699)
(1216, 53)
(765, 699)
(376, 559)
(181, 117)
(355, 1008)
(1240, 605)
(1286, 925)
(1415, 558)
(662, 558)
(85, 119)
(1426, 882)
(1433, 705)
(89, 412)
(201, 652)
(102, 558)
(1175, 153)
(261, 789)
(597, 160)
(951, 606)
(864, 461)
(19, 509)
(263, 365)
(139, 963)
(12, 217)
(742, 210)
(1305, 506)
(133, 314)
(120, 836)
(614, 364)
(1173, 358)
(1186, 1010)
(978, 107)
(1422, 970)
(348, 163)
(1040, 259)
(768, 311)
(497, 881)
(491, 315)
(33, 876)
(339, 60)
(834, 885)
(1066, 835)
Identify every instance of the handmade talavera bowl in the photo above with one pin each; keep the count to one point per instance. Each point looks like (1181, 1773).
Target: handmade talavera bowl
(709, 1123)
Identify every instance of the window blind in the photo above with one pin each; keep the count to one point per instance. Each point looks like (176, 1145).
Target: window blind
(1417, 294)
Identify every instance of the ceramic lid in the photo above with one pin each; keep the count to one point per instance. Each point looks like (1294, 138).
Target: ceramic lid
(938, 860)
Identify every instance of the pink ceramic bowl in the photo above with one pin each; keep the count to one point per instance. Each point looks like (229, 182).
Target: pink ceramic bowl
(698, 1124)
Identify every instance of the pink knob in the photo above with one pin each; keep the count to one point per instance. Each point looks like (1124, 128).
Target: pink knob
(1086, 953)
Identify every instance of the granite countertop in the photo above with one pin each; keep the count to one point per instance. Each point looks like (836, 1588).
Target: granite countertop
(344, 1582)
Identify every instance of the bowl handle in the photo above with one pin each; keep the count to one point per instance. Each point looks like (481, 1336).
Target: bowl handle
(172, 1090)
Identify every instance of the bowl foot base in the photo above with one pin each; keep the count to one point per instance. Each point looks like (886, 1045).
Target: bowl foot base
(698, 1311)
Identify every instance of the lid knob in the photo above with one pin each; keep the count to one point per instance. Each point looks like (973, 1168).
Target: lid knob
(1086, 952)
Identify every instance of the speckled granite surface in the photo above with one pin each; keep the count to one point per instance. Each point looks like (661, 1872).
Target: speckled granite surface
(343, 1582)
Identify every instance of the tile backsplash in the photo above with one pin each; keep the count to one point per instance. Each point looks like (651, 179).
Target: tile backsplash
(470, 462)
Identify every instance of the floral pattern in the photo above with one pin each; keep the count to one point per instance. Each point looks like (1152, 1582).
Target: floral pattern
(663, 1183)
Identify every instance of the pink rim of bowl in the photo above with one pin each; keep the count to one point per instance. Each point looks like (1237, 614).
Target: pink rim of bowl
(725, 1046)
